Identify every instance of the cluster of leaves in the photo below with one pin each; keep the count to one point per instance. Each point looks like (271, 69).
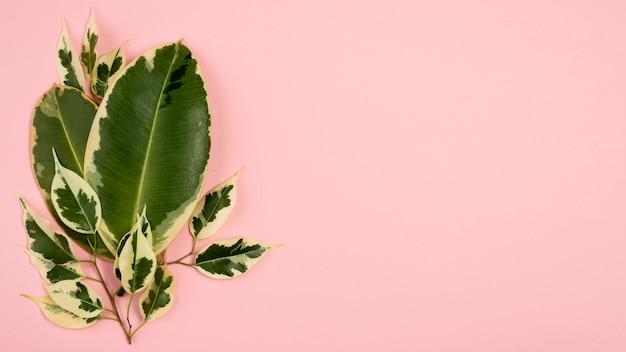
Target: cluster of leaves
(120, 159)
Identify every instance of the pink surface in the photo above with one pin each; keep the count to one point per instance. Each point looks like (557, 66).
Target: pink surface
(446, 175)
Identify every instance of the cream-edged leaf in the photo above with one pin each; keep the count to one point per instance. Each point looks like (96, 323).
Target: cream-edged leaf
(160, 138)
(107, 69)
(89, 55)
(214, 208)
(52, 272)
(61, 121)
(43, 240)
(159, 297)
(76, 297)
(230, 258)
(68, 63)
(75, 202)
(136, 260)
(60, 316)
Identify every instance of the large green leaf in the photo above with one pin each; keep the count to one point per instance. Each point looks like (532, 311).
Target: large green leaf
(76, 297)
(228, 259)
(75, 202)
(158, 298)
(60, 316)
(149, 145)
(61, 121)
(68, 63)
(214, 208)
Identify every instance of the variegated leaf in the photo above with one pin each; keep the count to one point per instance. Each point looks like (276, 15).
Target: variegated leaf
(158, 298)
(51, 245)
(228, 259)
(162, 143)
(89, 55)
(136, 261)
(75, 202)
(107, 69)
(61, 121)
(52, 272)
(76, 297)
(60, 316)
(143, 226)
(68, 63)
(214, 208)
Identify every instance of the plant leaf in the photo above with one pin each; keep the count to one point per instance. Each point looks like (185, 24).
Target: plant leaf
(153, 123)
(214, 208)
(75, 202)
(61, 122)
(52, 272)
(136, 260)
(60, 316)
(68, 63)
(158, 299)
(51, 245)
(76, 297)
(89, 55)
(107, 69)
(228, 259)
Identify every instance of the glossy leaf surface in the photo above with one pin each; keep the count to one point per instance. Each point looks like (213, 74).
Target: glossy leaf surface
(61, 121)
(136, 261)
(149, 145)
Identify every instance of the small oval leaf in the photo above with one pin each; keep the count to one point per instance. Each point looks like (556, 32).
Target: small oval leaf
(76, 297)
(60, 316)
(228, 259)
(75, 202)
(158, 299)
(214, 208)
(136, 260)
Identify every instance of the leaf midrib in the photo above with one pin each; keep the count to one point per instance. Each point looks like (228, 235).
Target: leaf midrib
(144, 167)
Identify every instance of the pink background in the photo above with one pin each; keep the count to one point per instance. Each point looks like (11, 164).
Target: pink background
(446, 175)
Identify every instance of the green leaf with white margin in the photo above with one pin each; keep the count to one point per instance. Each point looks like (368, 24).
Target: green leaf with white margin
(61, 121)
(89, 55)
(214, 208)
(159, 297)
(107, 69)
(60, 316)
(230, 258)
(51, 245)
(75, 202)
(52, 272)
(68, 63)
(144, 227)
(77, 298)
(136, 260)
(162, 144)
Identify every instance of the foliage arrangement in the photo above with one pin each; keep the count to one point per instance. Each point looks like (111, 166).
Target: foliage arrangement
(120, 154)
